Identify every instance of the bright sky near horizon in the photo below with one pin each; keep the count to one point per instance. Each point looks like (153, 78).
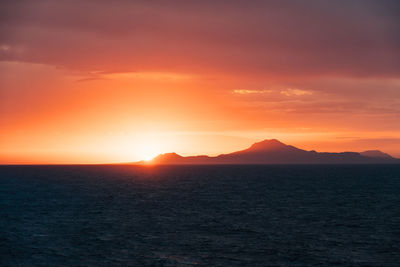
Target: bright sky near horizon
(117, 81)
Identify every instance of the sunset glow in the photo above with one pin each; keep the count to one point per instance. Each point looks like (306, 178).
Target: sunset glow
(130, 81)
(149, 147)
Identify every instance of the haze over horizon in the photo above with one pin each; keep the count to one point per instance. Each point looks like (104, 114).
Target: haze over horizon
(94, 82)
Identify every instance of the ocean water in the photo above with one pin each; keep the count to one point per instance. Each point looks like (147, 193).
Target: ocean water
(200, 215)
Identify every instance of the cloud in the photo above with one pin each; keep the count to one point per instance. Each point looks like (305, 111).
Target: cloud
(295, 92)
(247, 91)
(289, 38)
(4, 47)
(285, 60)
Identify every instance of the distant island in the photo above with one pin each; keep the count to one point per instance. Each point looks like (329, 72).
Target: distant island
(273, 151)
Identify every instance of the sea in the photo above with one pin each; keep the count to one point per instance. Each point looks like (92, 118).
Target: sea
(243, 215)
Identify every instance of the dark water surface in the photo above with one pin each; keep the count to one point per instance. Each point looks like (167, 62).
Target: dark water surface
(199, 215)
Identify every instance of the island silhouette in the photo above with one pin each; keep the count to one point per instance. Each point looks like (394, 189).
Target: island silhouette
(272, 151)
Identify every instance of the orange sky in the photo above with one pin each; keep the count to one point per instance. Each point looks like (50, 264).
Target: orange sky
(125, 81)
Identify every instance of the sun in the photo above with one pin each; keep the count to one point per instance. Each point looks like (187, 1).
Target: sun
(148, 145)
(148, 151)
(149, 155)
(148, 148)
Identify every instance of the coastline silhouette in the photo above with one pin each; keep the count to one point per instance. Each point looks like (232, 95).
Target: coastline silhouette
(272, 151)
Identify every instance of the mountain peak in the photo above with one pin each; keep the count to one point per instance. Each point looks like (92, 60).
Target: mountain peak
(267, 144)
(167, 156)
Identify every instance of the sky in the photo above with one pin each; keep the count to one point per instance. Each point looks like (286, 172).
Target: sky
(120, 81)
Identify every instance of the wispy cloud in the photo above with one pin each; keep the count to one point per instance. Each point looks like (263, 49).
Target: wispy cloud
(247, 91)
(4, 47)
(295, 92)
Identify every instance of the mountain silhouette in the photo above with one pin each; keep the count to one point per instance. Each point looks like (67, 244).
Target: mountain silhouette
(376, 154)
(275, 152)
